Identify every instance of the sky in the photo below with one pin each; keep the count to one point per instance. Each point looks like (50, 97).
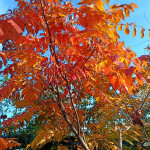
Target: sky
(141, 17)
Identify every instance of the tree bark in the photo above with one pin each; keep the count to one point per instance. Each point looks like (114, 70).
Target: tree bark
(73, 129)
(120, 140)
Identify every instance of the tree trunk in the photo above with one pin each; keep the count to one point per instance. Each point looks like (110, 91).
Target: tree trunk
(120, 140)
(73, 129)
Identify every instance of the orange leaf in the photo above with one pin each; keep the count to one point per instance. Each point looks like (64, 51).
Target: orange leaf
(120, 27)
(97, 99)
(138, 68)
(131, 8)
(86, 83)
(142, 32)
(107, 1)
(130, 88)
(107, 70)
(126, 30)
(135, 5)
(55, 2)
(3, 144)
(100, 5)
(127, 12)
(121, 14)
(134, 31)
(114, 81)
(139, 78)
(142, 35)
(52, 58)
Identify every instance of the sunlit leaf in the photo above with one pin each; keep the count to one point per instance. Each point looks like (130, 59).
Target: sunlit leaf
(100, 5)
(134, 31)
(126, 30)
(120, 27)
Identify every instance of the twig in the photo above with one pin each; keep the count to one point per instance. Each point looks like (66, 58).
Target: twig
(144, 101)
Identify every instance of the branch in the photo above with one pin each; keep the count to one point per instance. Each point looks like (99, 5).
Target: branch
(144, 101)
(63, 110)
(59, 101)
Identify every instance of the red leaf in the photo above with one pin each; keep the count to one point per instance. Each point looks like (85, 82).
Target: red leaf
(3, 56)
(144, 57)
(17, 28)
(1, 63)
(1, 32)
(73, 77)
(129, 71)
(114, 57)
(8, 122)
(119, 65)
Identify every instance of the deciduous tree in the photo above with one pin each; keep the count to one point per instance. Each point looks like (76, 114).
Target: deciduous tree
(60, 57)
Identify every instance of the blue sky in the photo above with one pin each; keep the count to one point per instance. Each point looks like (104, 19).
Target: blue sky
(141, 17)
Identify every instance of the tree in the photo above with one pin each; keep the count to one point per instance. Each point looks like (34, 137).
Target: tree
(60, 58)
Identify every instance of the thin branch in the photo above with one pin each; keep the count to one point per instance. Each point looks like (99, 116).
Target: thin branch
(146, 18)
(57, 62)
(144, 101)
(59, 101)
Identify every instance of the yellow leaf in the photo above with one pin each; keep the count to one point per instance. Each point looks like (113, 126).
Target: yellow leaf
(129, 142)
(136, 133)
(149, 33)
(134, 31)
(126, 30)
(120, 27)
(111, 33)
(134, 138)
(28, 146)
(102, 64)
(100, 5)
